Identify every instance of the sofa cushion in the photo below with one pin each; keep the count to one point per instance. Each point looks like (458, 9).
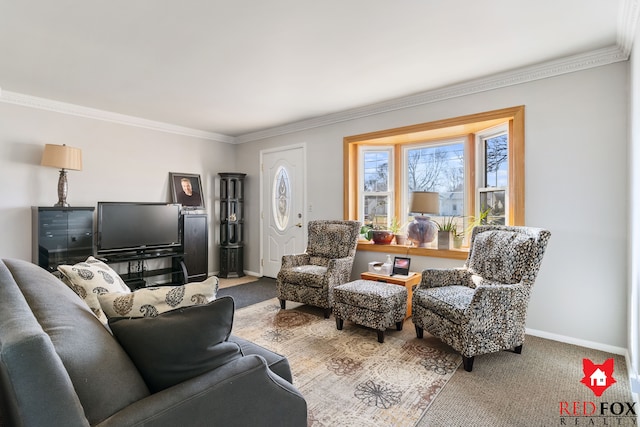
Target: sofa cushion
(152, 301)
(451, 302)
(308, 275)
(91, 278)
(179, 344)
(103, 376)
(500, 256)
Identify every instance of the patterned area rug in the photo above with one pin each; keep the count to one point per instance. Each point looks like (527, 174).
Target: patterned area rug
(347, 377)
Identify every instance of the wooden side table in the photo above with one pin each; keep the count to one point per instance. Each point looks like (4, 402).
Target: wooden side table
(408, 282)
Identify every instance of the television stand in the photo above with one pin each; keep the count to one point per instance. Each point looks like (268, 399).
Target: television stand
(137, 271)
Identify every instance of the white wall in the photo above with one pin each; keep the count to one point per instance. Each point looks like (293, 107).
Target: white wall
(576, 186)
(121, 163)
(634, 201)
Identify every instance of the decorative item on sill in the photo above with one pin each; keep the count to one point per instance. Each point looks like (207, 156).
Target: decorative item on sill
(379, 237)
(422, 230)
(472, 221)
(65, 158)
(398, 231)
(380, 234)
(447, 230)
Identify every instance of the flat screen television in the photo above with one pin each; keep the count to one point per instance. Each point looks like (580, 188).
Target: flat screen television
(137, 227)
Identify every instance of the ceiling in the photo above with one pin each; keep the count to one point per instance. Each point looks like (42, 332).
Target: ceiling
(233, 68)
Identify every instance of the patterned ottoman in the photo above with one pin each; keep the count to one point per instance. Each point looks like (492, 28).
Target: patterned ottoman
(377, 305)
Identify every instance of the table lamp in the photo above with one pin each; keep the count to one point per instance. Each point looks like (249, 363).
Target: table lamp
(65, 158)
(422, 230)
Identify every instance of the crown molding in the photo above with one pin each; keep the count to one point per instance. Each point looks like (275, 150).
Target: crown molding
(92, 113)
(544, 70)
(540, 71)
(627, 22)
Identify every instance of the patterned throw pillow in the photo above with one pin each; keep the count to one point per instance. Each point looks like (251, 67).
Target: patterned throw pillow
(91, 278)
(152, 301)
(501, 256)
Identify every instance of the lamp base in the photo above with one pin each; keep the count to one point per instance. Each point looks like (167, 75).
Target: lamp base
(63, 188)
(422, 231)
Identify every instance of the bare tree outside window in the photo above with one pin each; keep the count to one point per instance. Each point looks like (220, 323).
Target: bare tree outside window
(496, 156)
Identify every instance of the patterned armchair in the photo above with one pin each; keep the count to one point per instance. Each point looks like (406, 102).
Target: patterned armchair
(481, 307)
(309, 278)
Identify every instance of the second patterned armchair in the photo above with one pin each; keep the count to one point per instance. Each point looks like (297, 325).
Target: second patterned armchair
(309, 278)
(481, 307)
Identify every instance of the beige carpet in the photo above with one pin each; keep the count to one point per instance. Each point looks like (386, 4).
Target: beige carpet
(347, 377)
(509, 390)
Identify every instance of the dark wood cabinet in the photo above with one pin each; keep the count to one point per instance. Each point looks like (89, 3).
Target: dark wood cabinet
(61, 235)
(231, 224)
(195, 246)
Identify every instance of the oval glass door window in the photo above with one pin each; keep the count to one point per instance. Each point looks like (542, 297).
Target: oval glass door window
(281, 198)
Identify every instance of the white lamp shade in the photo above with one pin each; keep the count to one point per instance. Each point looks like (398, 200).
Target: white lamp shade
(425, 202)
(62, 157)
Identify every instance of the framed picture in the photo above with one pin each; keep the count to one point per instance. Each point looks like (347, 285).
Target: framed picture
(186, 189)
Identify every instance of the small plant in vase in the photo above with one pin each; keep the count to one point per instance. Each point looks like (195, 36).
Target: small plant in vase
(397, 230)
(447, 230)
(380, 234)
(458, 236)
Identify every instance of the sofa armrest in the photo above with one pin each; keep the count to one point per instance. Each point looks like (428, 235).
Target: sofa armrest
(241, 393)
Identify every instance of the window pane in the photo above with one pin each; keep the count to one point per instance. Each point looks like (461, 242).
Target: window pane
(281, 199)
(440, 169)
(495, 155)
(494, 202)
(376, 171)
(375, 210)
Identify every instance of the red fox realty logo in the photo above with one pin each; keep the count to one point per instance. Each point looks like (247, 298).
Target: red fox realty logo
(598, 377)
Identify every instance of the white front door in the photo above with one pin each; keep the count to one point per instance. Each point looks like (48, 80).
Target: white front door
(283, 221)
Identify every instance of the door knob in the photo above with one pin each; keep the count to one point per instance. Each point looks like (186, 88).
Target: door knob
(299, 225)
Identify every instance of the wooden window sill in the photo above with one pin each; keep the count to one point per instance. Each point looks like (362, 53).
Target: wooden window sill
(405, 250)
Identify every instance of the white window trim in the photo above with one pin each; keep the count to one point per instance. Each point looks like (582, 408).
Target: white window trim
(391, 184)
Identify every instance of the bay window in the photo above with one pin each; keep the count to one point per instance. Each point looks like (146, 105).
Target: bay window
(475, 163)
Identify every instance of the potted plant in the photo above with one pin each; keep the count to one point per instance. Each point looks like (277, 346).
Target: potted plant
(446, 231)
(380, 234)
(397, 230)
(458, 236)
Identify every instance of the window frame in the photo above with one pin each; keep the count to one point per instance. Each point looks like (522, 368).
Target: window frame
(390, 180)
(464, 126)
(481, 184)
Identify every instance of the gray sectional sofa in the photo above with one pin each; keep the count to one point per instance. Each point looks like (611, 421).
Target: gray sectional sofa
(59, 366)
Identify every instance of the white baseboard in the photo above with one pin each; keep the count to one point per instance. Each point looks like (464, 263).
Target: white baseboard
(582, 343)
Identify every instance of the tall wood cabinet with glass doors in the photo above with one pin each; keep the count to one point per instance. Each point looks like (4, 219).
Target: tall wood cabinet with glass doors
(231, 224)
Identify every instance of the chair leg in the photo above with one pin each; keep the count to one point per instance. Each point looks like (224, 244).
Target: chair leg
(283, 304)
(380, 336)
(467, 362)
(518, 349)
(399, 325)
(419, 332)
(327, 312)
(339, 323)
